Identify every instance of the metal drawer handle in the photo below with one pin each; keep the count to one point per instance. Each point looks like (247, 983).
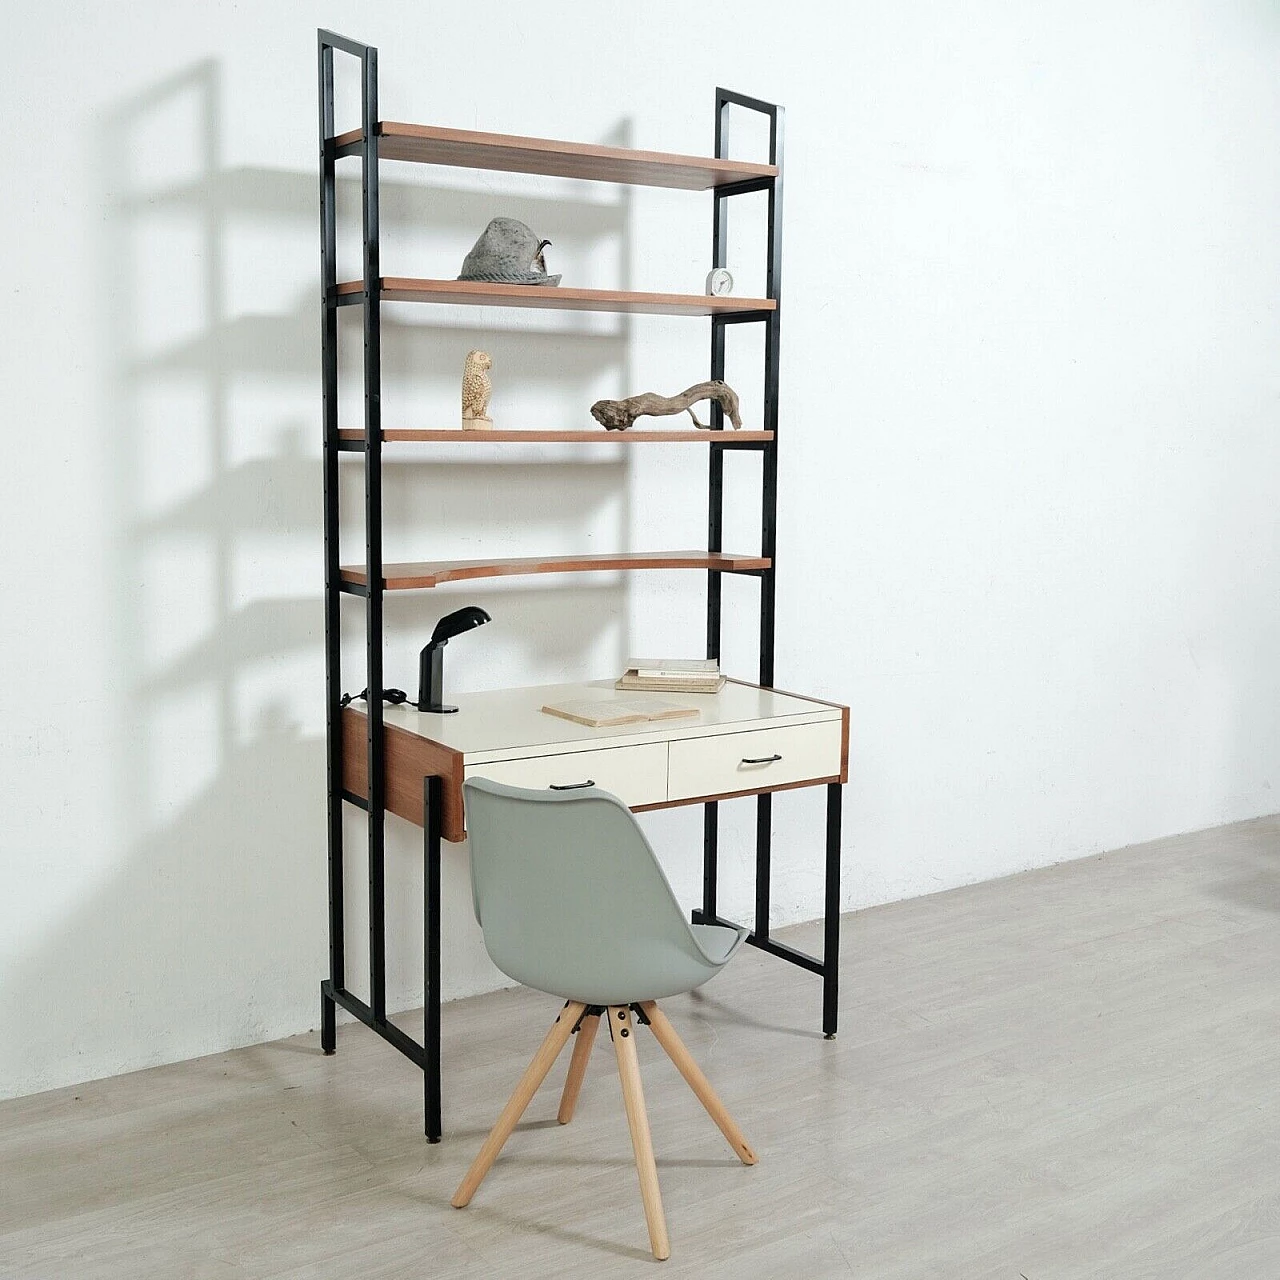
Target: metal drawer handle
(571, 786)
(760, 759)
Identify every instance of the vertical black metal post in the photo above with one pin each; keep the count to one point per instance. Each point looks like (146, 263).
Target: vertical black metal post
(769, 502)
(332, 592)
(715, 501)
(710, 859)
(772, 371)
(764, 860)
(831, 916)
(432, 814)
(715, 471)
(372, 305)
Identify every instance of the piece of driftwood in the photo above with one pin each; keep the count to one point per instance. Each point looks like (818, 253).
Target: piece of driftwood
(618, 415)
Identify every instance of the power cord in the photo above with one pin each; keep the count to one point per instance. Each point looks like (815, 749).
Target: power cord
(393, 696)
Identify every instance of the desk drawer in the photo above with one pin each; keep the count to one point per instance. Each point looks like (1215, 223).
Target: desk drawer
(718, 765)
(637, 775)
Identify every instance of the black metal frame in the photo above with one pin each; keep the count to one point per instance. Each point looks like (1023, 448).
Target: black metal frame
(333, 989)
(828, 967)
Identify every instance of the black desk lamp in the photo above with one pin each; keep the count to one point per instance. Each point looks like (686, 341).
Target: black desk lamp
(431, 659)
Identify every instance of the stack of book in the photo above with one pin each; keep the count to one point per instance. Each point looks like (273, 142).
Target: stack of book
(673, 675)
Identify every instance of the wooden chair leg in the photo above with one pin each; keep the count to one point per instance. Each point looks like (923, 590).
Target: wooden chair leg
(578, 1066)
(665, 1034)
(622, 1029)
(534, 1075)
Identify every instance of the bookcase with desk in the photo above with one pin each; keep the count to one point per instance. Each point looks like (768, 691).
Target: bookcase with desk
(750, 740)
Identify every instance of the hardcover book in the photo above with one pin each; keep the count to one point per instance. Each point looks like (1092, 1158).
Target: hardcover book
(672, 675)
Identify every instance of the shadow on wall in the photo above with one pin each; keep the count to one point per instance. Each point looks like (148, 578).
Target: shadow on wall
(210, 930)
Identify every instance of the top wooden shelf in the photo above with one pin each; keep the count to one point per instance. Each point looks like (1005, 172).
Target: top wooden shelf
(584, 435)
(552, 297)
(468, 149)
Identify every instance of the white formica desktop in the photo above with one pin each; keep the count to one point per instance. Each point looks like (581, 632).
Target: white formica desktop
(745, 741)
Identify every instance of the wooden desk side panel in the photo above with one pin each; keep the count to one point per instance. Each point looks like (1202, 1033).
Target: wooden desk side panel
(408, 759)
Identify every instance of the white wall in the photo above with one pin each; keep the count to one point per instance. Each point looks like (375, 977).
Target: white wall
(1028, 488)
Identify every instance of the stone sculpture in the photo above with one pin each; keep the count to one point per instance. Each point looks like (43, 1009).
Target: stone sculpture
(476, 389)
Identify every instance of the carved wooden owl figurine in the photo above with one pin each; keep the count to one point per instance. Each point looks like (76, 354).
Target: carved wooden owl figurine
(476, 389)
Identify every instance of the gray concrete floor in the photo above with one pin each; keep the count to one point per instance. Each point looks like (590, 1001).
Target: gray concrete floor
(1069, 1073)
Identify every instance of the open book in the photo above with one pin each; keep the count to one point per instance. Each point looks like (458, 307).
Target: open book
(598, 713)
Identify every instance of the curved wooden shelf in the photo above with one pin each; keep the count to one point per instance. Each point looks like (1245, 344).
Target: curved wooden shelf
(587, 435)
(473, 293)
(469, 149)
(430, 573)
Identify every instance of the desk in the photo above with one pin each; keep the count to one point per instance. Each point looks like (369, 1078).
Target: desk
(747, 741)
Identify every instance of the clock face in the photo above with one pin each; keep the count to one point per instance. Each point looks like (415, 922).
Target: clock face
(719, 283)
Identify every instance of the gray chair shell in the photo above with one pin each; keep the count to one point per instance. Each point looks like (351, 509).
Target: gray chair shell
(572, 900)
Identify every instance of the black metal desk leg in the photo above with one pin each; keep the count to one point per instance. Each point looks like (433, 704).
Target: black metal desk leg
(831, 917)
(432, 809)
(710, 859)
(328, 1022)
(764, 859)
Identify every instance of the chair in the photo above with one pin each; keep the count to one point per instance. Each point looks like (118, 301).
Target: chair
(572, 901)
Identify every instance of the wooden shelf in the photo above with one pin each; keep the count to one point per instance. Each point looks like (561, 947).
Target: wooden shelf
(430, 573)
(586, 436)
(474, 293)
(468, 149)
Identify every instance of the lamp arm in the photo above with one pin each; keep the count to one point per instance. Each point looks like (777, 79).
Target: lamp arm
(431, 677)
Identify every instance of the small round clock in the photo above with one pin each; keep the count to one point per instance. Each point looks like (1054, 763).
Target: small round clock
(719, 282)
